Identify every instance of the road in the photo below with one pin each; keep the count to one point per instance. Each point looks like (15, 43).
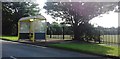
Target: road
(14, 49)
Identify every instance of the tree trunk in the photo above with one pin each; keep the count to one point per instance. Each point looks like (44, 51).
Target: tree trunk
(77, 33)
(50, 33)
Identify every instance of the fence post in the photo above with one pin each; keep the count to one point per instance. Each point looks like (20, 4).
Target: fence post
(63, 32)
(50, 33)
(99, 36)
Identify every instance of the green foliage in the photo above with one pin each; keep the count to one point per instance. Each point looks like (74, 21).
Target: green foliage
(57, 29)
(13, 11)
(54, 28)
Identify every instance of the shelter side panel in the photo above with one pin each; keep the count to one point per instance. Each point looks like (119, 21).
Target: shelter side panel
(24, 36)
(40, 36)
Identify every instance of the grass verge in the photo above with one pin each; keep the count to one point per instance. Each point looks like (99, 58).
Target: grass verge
(12, 38)
(99, 49)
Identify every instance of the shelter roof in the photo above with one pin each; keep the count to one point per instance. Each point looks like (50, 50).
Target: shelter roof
(40, 17)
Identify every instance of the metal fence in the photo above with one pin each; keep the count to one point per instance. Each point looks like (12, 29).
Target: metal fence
(59, 32)
(109, 36)
(60, 37)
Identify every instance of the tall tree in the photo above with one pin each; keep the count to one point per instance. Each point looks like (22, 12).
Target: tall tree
(13, 11)
(78, 13)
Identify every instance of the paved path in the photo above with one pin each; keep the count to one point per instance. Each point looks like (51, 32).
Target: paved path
(14, 49)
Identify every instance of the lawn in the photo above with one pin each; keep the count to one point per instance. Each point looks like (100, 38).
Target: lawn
(101, 49)
(13, 38)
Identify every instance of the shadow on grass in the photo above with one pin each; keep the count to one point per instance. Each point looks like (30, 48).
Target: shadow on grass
(87, 48)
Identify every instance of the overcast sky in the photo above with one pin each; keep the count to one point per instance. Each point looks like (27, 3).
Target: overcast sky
(106, 20)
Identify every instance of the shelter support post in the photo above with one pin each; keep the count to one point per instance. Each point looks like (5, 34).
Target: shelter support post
(18, 30)
(31, 33)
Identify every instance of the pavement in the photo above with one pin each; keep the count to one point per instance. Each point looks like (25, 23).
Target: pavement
(15, 49)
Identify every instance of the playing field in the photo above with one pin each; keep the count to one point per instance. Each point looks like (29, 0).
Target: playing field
(110, 38)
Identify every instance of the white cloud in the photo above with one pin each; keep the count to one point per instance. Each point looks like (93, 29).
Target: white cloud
(41, 3)
(107, 20)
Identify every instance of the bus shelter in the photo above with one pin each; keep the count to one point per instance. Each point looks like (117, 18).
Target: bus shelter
(33, 28)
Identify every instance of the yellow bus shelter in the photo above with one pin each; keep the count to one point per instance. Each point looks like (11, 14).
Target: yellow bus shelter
(33, 28)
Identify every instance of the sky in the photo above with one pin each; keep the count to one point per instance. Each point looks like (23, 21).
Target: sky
(105, 20)
(42, 11)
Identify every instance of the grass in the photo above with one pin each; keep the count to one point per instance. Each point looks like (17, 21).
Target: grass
(13, 38)
(89, 48)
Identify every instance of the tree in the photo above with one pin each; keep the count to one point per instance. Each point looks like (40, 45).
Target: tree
(78, 13)
(12, 12)
(56, 28)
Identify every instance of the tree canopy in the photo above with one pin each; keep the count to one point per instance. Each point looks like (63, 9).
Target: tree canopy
(78, 13)
(13, 11)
